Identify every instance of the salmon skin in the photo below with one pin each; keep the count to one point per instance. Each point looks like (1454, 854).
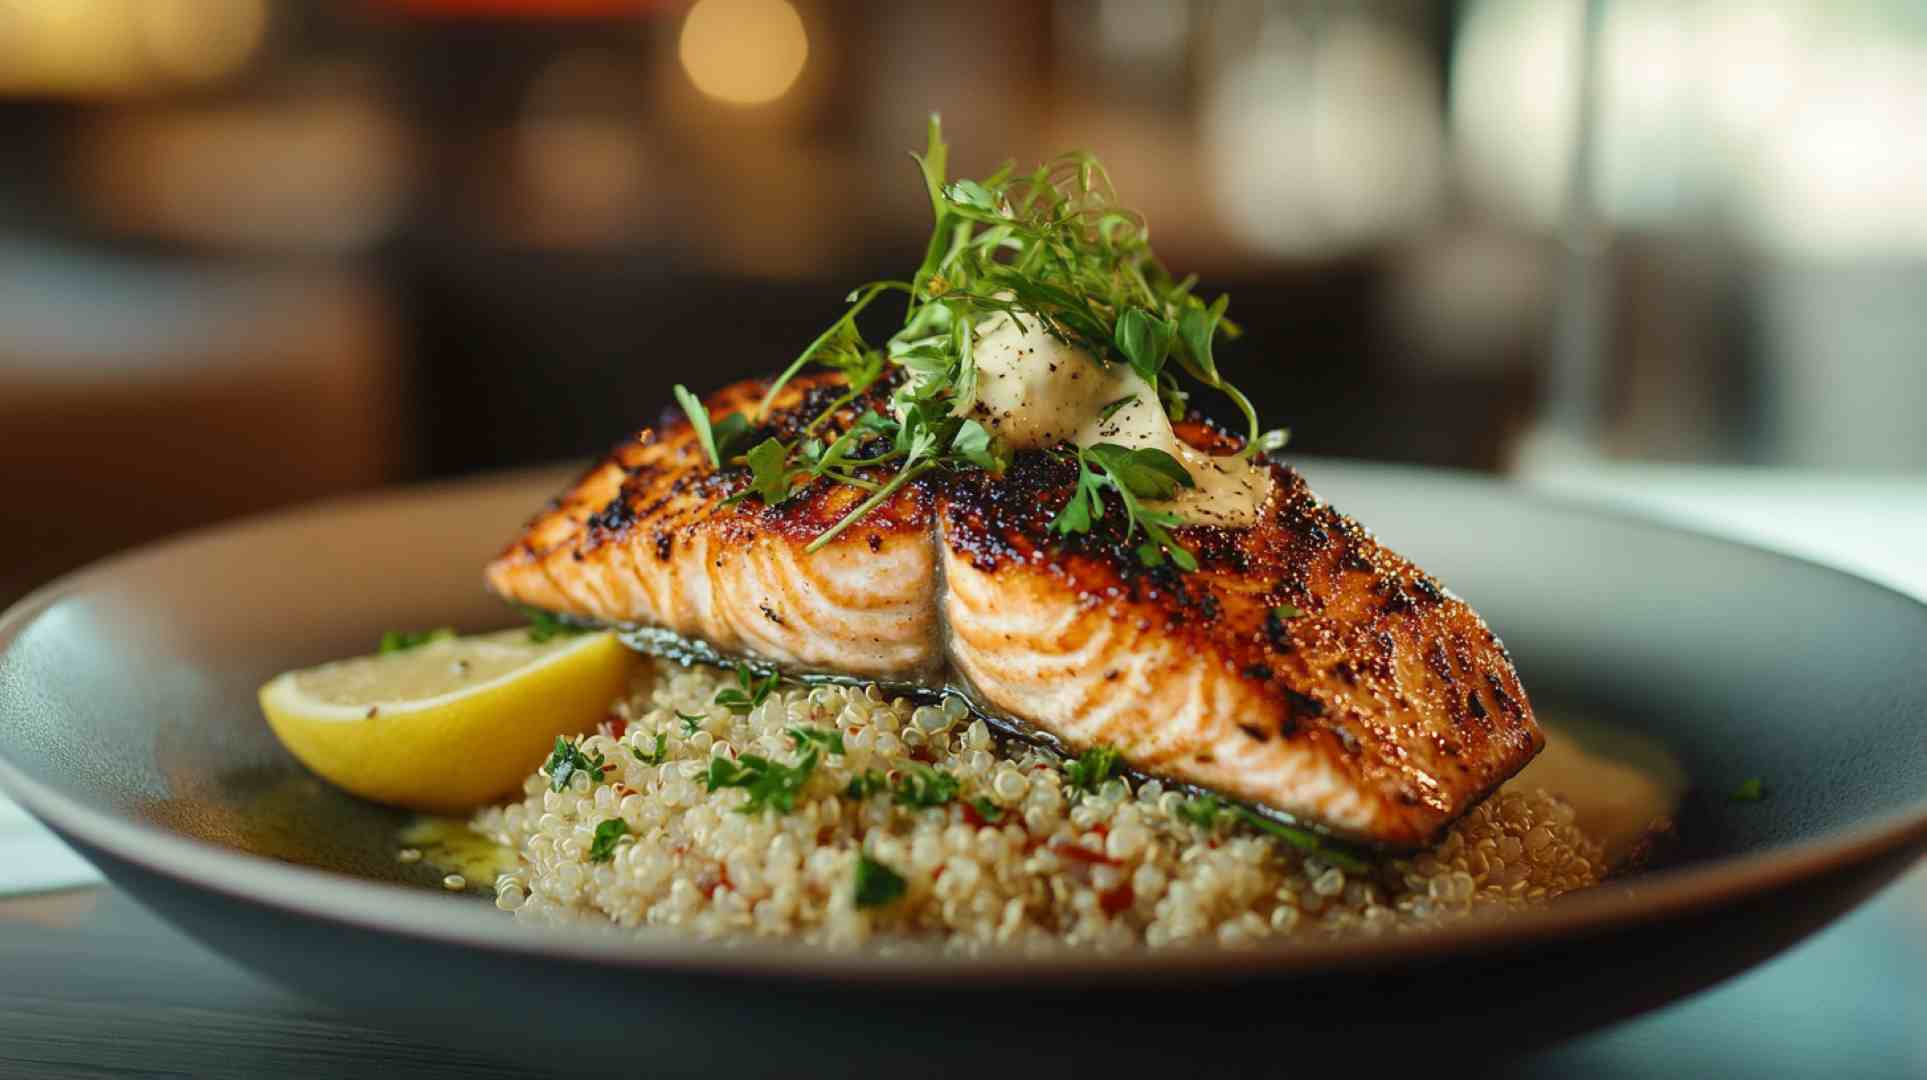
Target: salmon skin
(1302, 668)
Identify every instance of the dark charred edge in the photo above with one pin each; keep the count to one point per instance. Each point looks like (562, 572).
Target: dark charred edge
(688, 652)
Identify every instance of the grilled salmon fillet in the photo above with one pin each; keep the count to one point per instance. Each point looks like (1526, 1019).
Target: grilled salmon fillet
(1303, 667)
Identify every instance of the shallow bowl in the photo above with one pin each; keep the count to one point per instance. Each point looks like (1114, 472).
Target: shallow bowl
(128, 724)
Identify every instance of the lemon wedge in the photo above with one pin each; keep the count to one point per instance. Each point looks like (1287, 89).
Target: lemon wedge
(447, 726)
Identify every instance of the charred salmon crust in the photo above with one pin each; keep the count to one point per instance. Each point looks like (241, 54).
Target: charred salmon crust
(647, 537)
(1303, 667)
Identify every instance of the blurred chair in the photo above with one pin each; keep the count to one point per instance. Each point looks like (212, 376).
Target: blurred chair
(140, 397)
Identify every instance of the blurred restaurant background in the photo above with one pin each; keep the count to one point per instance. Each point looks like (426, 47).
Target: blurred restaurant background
(254, 252)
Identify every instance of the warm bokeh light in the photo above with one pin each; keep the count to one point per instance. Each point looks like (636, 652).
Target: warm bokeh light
(745, 52)
(83, 48)
(201, 40)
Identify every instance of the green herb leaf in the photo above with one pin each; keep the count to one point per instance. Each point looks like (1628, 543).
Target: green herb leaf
(1752, 789)
(865, 784)
(748, 693)
(1201, 811)
(603, 847)
(876, 884)
(1145, 340)
(717, 438)
(654, 757)
(987, 810)
(769, 474)
(394, 641)
(546, 627)
(1133, 474)
(771, 785)
(1304, 840)
(691, 724)
(828, 739)
(920, 785)
(1197, 325)
(975, 444)
(1146, 472)
(1286, 613)
(566, 760)
(1091, 768)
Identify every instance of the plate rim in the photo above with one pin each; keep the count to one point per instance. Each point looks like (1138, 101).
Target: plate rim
(381, 907)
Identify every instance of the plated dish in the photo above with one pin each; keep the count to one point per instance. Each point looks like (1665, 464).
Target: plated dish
(129, 723)
(996, 641)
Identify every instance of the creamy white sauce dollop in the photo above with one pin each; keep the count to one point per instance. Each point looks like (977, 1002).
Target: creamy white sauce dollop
(1037, 391)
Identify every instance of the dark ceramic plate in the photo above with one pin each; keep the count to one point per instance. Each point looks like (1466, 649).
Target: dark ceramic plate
(128, 724)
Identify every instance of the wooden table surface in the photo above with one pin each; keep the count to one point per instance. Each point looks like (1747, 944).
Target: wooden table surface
(94, 986)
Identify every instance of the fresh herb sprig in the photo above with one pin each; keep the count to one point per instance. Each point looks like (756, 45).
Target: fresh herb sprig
(567, 759)
(718, 438)
(1146, 473)
(603, 847)
(394, 641)
(748, 693)
(656, 755)
(771, 784)
(1051, 248)
(1091, 768)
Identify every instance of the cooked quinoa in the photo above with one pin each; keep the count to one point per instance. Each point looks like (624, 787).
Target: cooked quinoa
(1017, 854)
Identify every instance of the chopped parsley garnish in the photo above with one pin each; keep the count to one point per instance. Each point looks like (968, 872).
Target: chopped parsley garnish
(918, 784)
(1091, 768)
(394, 641)
(1304, 840)
(876, 884)
(987, 810)
(603, 847)
(1752, 789)
(544, 626)
(772, 785)
(656, 756)
(566, 760)
(1145, 473)
(748, 692)
(691, 724)
(1052, 248)
(865, 784)
(1201, 811)
(718, 439)
(1286, 613)
(827, 738)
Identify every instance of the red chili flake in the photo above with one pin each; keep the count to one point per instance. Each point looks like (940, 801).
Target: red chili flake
(615, 727)
(940, 869)
(1083, 854)
(975, 819)
(722, 882)
(1116, 900)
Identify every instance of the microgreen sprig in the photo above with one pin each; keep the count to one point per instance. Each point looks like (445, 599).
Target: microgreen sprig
(1145, 473)
(1051, 248)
